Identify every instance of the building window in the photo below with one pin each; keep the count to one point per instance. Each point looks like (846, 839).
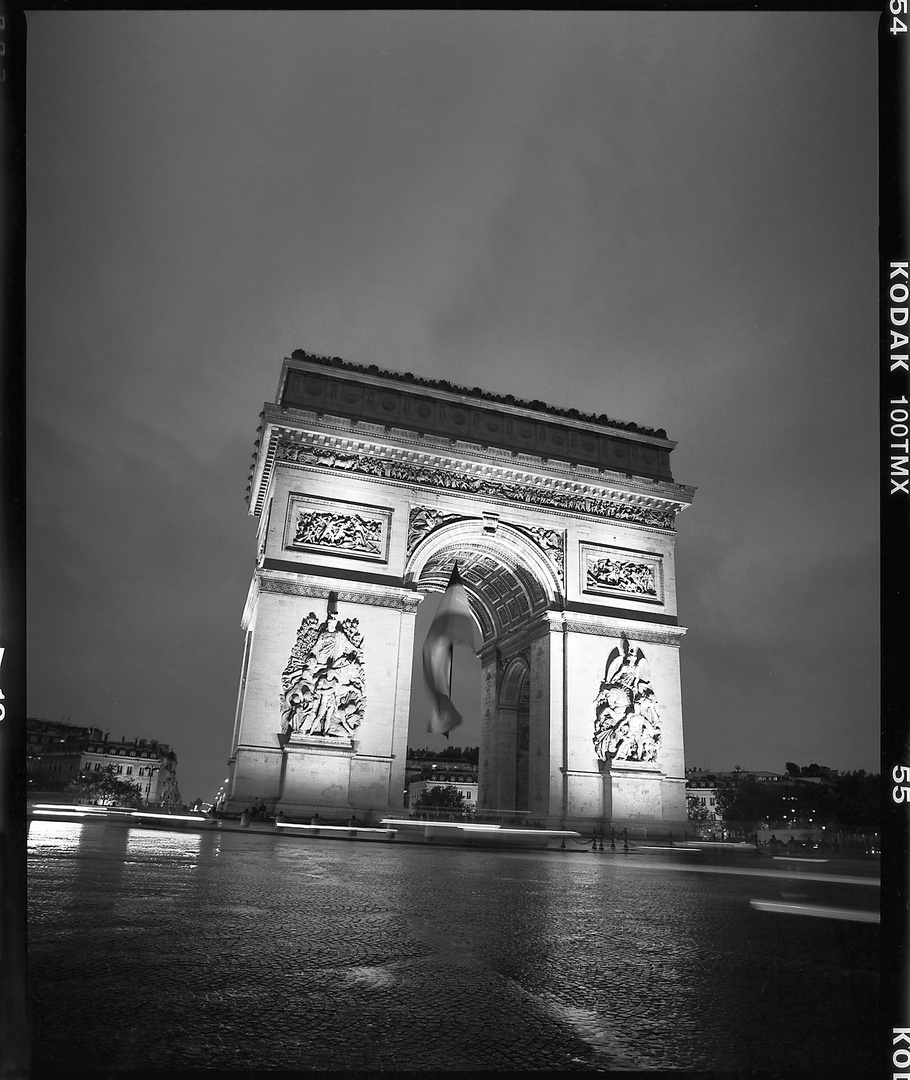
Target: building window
(129, 770)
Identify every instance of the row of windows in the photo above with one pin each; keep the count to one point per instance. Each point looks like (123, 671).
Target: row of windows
(121, 753)
(142, 771)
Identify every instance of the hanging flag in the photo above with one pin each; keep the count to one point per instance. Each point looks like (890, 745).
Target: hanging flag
(453, 622)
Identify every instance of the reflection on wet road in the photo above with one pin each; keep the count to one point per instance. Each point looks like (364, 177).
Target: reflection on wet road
(274, 952)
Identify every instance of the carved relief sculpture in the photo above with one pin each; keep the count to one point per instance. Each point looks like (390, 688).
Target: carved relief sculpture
(551, 542)
(322, 684)
(572, 498)
(422, 521)
(629, 577)
(627, 719)
(351, 532)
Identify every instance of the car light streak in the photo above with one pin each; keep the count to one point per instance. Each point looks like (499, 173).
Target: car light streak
(747, 871)
(817, 910)
(166, 817)
(666, 847)
(331, 828)
(499, 830)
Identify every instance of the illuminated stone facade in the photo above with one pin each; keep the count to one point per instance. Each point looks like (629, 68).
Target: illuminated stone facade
(368, 486)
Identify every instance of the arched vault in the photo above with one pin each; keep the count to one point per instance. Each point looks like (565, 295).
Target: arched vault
(507, 578)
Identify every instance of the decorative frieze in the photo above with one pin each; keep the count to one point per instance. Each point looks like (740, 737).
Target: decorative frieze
(560, 495)
(322, 684)
(626, 714)
(330, 527)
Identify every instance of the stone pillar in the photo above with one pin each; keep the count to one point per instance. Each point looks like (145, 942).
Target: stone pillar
(507, 753)
(546, 735)
(306, 772)
(521, 764)
(488, 764)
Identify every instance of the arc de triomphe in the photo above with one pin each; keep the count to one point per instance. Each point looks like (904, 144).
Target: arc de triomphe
(368, 486)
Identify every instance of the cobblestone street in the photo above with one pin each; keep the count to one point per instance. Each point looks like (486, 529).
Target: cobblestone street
(171, 950)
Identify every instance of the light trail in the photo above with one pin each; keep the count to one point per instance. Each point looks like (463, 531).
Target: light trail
(746, 871)
(817, 910)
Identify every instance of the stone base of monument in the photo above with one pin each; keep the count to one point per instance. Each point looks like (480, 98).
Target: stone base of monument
(636, 791)
(619, 795)
(326, 775)
(316, 774)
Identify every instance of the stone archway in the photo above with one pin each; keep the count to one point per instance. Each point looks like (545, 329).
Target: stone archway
(368, 486)
(514, 727)
(511, 585)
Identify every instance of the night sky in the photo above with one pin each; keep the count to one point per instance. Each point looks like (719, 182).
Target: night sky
(666, 217)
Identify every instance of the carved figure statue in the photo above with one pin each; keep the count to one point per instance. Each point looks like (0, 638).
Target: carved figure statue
(626, 715)
(323, 681)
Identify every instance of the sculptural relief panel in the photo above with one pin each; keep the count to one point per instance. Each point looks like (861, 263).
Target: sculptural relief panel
(337, 528)
(323, 681)
(619, 572)
(627, 724)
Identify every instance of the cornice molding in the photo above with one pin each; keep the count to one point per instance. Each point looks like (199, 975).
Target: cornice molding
(358, 433)
(305, 585)
(670, 636)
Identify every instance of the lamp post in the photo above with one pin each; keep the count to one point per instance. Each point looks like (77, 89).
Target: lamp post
(152, 780)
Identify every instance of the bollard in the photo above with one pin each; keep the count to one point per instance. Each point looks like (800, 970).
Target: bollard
(612, 839)
(245, 819)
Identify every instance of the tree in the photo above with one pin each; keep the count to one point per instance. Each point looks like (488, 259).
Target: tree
(440, 798)
(105, 786)
(856, 798)
(749, 804)
(697, 811)
(792, 768)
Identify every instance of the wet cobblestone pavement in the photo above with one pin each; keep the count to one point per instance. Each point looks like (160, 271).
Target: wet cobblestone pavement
(226, 951)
